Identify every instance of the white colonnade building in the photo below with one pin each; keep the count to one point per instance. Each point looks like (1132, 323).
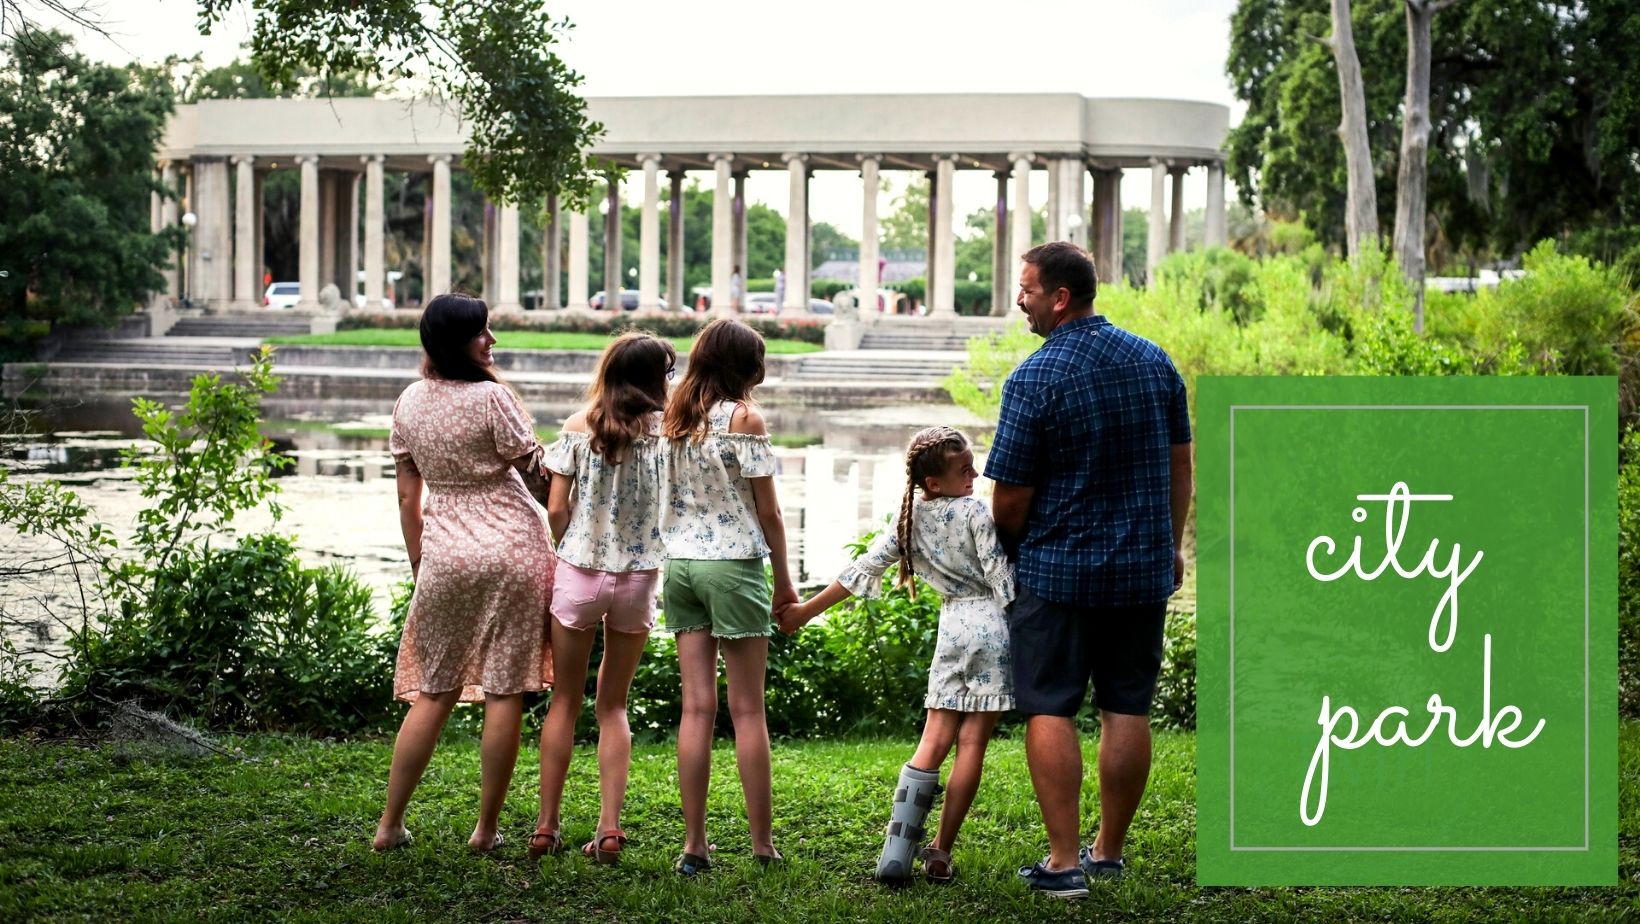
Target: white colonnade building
(216, 154)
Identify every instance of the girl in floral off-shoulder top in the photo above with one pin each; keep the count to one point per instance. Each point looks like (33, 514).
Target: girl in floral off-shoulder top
(720, 517)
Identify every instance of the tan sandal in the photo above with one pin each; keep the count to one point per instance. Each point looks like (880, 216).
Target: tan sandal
(545, 843)
(595, 847)
(937, 866)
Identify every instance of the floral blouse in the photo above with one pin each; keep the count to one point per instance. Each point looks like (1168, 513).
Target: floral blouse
(708, 512)
(614, 522)
(954, 547)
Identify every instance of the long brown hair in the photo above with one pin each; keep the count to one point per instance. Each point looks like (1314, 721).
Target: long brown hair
(929, 455)
(725, 364)
(629, 386)
(449, 324)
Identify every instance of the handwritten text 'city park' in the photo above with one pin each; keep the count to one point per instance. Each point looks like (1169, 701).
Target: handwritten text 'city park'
(1390, 727)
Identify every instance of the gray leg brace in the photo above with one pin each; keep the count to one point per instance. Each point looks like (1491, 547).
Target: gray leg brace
(912, 800)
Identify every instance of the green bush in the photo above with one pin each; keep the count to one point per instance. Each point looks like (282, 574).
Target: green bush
(1628, 576)
(246, 637)
(1175, 704)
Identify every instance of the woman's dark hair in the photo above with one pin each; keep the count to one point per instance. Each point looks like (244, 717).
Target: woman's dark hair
(448, 325)
(629, 386)
(725, 364)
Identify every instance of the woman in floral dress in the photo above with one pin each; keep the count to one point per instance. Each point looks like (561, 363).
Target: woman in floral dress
(477, 627)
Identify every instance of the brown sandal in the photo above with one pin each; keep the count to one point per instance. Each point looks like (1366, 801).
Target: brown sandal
(595, 847)
(937, 866)
(545, 843)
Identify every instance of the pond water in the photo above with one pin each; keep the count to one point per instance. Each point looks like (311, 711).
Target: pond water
(842, 473)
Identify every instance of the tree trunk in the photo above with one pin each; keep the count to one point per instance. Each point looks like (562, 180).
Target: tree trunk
(1412, 178)
(1361, 208)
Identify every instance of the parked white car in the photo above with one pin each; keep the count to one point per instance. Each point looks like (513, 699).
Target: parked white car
(282, 295)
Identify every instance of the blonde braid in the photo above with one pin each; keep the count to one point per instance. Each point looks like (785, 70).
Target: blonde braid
(917, 466)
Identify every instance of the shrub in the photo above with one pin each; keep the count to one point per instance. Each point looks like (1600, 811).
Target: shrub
(1175, 704)
(1628, 576)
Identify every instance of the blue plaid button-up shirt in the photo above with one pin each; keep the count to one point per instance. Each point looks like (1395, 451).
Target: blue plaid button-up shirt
(1088, 421)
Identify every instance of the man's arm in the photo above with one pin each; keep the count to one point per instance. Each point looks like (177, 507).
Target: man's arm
(1183, 488)
(1010, 508)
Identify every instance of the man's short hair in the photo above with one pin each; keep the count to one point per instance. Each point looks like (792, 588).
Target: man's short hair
(1063, 265)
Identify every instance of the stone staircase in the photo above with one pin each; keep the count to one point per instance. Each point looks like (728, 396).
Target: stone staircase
(868, 367)
(268, 324)
(928, 334)
(194, 352)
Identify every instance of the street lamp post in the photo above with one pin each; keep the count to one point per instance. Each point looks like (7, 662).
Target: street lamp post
(189, 219)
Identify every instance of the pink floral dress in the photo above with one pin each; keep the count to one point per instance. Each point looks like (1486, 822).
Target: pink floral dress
(478, 620)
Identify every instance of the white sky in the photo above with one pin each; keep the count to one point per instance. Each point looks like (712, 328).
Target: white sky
(1138, 48)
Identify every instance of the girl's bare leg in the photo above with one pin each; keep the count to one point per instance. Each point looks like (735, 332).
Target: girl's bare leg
(697, 666)
(746, 662)
(622, 652)
(570, 650)
(960, 788)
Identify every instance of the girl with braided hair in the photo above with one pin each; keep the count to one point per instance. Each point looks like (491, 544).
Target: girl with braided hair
(947, 536)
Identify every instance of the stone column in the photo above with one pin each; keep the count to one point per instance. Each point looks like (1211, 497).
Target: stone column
(741, 244)
(1055, 227)
(375, 239)
(552, 258)
(649, 236)
(1019, 236)
(943, 302)
(245, 296)
(931, 274)
(869, 183)
(614, 281)
(723, 243)
(168, 219)
(1217, 232)
(354, 258)
(259, 251)
(506, 231)
(486, 259)
(211, 268)
(308, 249)
(578, 296)
(1071, 173)
(1107, 225)
(674, 243)
(438, 276)
(1001, 283)
(1175, 240)
(1156, 242)
(797, 234)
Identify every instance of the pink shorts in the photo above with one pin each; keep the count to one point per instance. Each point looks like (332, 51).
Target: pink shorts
(624, 601)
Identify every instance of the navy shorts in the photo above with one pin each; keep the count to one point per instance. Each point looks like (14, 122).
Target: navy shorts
(1058, 648)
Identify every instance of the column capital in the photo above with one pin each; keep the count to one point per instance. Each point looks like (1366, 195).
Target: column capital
(440, 159)
(647, 159)
(1018, 156)
(862, 158)
(1160, 162)
(238, 159)
(720, 157)
(1177, 169)
(676, 173)
(791, 156)
(305, 159)
(372, 158)
(939, 158)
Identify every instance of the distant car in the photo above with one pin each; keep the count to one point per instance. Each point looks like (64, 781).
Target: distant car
(821, 306)
(282, 295)
(762, 303)
(629, 300)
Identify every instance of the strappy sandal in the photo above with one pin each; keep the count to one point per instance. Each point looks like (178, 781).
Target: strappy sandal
(595, 847)
(937, 866)
(690, 864)
(545, 843)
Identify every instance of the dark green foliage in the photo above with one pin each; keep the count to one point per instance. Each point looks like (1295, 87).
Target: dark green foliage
(527, 127)
(246, 637)
(76, 151)
(1628, 576)
(1222, 277)
(1175, 704)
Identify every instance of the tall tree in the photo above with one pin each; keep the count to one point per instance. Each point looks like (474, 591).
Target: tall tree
(1411, 188)
(905, 227)
(1361, 204)
(76, 150)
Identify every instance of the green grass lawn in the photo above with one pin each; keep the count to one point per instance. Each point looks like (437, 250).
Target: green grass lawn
(506, 340)
(285, 834)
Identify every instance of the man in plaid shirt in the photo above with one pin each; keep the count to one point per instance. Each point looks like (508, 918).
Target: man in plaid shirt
(1092, 460)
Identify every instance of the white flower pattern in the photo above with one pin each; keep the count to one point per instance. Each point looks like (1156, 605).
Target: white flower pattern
(955, 548)
(614, 520)
(707, 512)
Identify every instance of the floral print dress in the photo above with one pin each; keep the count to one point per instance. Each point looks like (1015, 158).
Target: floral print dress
(955, 548)
(478, 619)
